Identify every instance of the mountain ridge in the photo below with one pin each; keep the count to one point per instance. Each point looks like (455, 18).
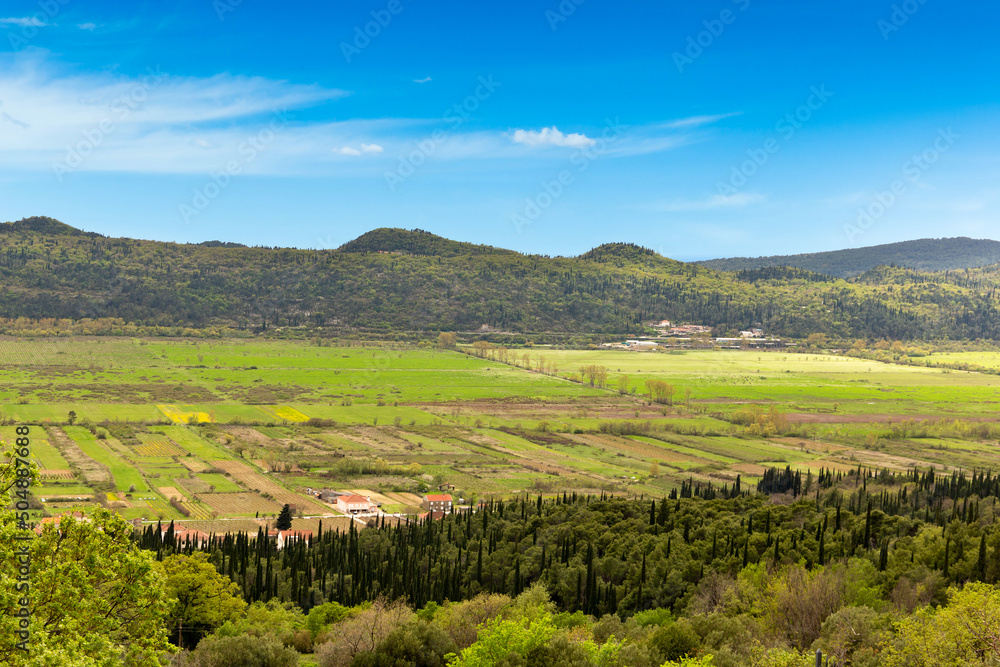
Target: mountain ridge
(943, 254)
(412, 281)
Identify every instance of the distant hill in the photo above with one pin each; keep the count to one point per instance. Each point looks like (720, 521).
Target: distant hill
(922, 255)
(44, 225)
(413, 242)
(392, 281)
(630, 255)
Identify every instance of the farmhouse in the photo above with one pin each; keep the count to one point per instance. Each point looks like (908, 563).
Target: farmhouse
(353, 504)
(185, 536)
(437, 502)
(286, 537)
(641, 344)
(55, 520)
(689, 329)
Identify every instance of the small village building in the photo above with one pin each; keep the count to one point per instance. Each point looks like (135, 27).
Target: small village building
(437, 502)
(641, 344)
(354, 504)
(185, 536)
(56, 520)
(286, 537)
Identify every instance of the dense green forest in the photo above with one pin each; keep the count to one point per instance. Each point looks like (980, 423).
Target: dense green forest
(413, 281)
(870, 567)
(923, 255)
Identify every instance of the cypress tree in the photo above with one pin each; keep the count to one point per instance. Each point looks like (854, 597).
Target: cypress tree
(479, 564)
(284, 521)
(981, 563)
(947, 545)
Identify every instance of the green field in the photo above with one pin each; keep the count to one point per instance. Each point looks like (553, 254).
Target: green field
(221, 483)
(125, 474)
(192, 442)
(395, 419)
(238, 375)
(48, 457)
(983, 358)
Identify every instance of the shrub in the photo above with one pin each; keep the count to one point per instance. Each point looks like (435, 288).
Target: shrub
(240, 651)
(675, 640)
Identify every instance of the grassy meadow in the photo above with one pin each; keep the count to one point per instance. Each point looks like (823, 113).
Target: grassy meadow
(217, 432)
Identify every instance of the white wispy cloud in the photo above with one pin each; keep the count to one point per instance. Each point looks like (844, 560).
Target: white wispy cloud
(29, 21)
(151, 122)
(87, 26)
(426, 79)
(696, 121)
(356, 152)
(160, 123)
(738, 200)
(551, 136)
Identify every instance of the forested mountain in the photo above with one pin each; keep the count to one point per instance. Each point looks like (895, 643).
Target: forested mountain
(415, 242)
(395, 280)
(922, 255)
(43, 225)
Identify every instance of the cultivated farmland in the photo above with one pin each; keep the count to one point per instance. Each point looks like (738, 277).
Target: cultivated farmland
(239, 428)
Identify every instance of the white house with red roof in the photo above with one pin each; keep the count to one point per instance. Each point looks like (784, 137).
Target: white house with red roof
(56, 520)
(183, 536)
(355, 504)
(286, 537)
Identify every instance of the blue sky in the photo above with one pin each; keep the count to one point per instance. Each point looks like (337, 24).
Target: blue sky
(708, 129)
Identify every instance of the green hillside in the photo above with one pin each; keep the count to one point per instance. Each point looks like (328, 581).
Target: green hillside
(412, 281)
(922, 255)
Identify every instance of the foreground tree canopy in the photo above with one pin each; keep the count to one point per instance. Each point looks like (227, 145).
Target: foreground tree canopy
(871, 568)
(96, 599)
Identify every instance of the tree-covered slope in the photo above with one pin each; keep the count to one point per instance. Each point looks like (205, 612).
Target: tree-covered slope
(923, 255)
(413, 242)
(394, 280)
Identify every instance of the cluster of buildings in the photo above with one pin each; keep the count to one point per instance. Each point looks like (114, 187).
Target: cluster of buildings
(435, 506)
(199, 538)
(694, 336)
(182, 535)
(346, 501)
(665, 327)
(352, 503)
